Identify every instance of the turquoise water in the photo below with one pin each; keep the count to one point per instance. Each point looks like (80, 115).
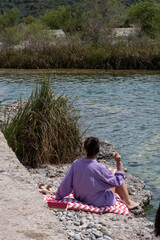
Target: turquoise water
(122, 107)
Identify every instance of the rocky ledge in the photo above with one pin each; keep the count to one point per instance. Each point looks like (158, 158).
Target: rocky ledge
(83, 225)
(79, 225)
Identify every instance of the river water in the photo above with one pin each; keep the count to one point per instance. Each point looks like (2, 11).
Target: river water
(122, 107)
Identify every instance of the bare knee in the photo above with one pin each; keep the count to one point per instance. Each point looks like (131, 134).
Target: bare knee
(113, 190)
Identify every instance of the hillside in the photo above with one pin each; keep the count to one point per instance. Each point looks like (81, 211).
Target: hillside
(38, 7)
(33, 7)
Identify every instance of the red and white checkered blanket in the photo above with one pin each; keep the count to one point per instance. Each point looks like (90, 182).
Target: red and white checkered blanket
(70, 202)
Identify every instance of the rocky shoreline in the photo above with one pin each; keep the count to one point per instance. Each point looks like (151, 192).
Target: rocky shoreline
(83, 225)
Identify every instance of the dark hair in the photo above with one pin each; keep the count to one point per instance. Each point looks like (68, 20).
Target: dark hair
(91, 145)
(157, 223)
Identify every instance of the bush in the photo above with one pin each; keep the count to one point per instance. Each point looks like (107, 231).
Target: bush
(25, 34)
(30, 19)
(67, 18)
(9, 19)
(45, 129)
(147, 14)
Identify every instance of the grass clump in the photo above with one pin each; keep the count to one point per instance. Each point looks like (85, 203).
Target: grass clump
(45, 129)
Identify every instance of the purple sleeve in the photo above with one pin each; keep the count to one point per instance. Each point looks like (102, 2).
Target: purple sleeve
(113, 180)
(66, 185)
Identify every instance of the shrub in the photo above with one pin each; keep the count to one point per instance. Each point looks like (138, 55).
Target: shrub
(30, 19)
(45, 129)
(147, 13)
(25, 34)
(67, 18)
(9, 19)
(11, 36)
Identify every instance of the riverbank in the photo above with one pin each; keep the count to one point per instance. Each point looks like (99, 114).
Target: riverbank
(74, 225)
(131, 53)
(83, 225)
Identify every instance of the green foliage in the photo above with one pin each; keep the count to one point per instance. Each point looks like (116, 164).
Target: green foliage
(45, 129)
(29, 20)
(147, 13)
(25, 34)
(38, 7)
(99, 16)
(34, 7)
(90, 18)
(11, 35)
(9, 19)
(90, 42)
(66, 18)
(35, 32)
(128, 2)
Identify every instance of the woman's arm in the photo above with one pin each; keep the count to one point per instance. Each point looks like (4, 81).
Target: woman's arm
(66, 185)
(118, 160)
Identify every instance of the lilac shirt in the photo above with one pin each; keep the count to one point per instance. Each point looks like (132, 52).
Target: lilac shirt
(90, 182)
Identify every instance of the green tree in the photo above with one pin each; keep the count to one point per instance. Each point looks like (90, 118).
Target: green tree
(147, 15)
(9, 19)
(30, 19)
(67, 18)
(100, 16)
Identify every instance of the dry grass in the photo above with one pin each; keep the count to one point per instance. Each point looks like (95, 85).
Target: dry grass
(133, 53)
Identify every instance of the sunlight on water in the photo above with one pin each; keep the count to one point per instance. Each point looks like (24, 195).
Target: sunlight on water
(122, 107)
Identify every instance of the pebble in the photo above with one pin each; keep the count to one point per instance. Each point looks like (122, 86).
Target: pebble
(77, 237)
(62, 218)
(97, 233)
(89, 225)
(76, 223)
(71, 234)
(92, 236)
(107, 237)
(78, 229)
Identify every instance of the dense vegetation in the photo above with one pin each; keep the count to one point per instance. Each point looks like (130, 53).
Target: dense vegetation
(38, 7)
(45, 129)
(33, 7)
(90, 39)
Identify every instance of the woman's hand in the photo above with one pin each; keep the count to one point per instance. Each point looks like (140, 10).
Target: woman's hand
(118, 159)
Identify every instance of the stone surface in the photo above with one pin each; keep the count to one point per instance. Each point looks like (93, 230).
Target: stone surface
(23, 214)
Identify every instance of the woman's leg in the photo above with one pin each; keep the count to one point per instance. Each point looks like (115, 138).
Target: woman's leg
(123, 193)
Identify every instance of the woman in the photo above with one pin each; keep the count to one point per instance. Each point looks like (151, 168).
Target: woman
(92, 183)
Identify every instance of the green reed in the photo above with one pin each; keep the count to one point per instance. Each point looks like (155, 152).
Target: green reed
(45, 129)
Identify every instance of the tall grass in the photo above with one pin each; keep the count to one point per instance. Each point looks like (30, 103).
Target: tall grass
(131, 53)
(45, 129)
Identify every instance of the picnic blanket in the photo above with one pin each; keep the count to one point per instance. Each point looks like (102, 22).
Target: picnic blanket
(70, 202)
